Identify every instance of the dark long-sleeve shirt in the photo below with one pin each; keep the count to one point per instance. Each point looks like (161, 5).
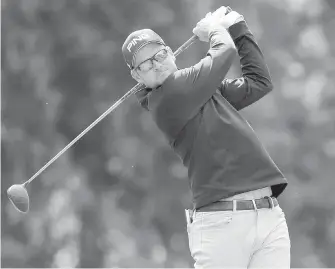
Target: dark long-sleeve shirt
(197, 110)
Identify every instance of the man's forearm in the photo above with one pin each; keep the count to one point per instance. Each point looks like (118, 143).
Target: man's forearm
(251, 58)
(219, 36)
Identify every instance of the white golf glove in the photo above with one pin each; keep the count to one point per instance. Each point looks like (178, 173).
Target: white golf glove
(203, 27)
(215, 19)
(230, 19)
(219, 13)
(211, 20)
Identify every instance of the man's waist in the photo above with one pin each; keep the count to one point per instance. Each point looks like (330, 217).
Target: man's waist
(254, 204)
(259, 198)
(251, 195)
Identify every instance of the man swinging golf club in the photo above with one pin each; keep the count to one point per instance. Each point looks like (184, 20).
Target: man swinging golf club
(236, 220)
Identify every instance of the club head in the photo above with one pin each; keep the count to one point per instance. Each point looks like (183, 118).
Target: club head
(19, 197)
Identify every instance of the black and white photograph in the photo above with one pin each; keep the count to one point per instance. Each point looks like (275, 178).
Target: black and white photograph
(167, 134)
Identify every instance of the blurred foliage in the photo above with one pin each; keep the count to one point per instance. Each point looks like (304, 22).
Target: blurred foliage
(116, 198)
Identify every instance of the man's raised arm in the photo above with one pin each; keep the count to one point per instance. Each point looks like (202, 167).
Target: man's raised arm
(190, 88)
(255, 82)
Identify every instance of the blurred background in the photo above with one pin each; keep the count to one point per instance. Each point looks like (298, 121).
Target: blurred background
(117, 198)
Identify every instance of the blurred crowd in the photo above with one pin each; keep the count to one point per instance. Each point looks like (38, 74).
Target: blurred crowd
(117, 197)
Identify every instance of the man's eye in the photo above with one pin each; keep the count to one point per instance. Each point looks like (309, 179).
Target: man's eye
(162, 53)
(145, 66)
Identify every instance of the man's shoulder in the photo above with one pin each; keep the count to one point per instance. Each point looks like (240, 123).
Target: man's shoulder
(172, 83)
(178, 79)
(175, 84)
(176, 76)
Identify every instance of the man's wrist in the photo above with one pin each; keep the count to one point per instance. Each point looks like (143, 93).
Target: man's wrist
(238, 29)
(220, 34)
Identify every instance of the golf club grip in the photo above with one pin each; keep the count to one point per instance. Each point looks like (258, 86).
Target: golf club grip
(135, 89)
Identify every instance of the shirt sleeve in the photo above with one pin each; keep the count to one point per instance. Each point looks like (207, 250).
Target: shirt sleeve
(255, 82)
(187, 90)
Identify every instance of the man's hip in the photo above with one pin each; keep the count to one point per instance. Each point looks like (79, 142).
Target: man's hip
(229, 233)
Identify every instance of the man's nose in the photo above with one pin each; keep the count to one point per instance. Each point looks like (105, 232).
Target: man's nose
(157, 65)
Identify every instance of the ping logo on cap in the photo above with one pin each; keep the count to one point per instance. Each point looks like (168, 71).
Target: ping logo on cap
(134, 41)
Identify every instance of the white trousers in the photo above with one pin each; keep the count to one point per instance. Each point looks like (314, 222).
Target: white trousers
(240, 239)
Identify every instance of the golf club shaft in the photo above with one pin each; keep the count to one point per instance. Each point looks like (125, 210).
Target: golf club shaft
(135, 89)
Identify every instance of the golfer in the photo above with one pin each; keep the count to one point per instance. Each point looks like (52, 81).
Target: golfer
(236, 220)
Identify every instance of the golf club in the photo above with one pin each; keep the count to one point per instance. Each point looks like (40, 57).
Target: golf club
(18, 194)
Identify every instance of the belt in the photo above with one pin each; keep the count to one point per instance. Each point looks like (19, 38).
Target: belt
(266, 202)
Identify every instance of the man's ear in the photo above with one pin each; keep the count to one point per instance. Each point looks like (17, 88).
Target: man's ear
(136, 76)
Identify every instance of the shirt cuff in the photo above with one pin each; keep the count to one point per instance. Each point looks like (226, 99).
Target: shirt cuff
(239, 29)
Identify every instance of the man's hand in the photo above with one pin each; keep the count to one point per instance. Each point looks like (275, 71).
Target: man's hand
(221, 12)
(211, 20)
(203, 27)
(230, 19)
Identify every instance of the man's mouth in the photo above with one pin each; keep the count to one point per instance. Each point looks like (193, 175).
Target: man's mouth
(162, 70)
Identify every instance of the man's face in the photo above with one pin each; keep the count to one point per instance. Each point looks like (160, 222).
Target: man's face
(153, 64)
